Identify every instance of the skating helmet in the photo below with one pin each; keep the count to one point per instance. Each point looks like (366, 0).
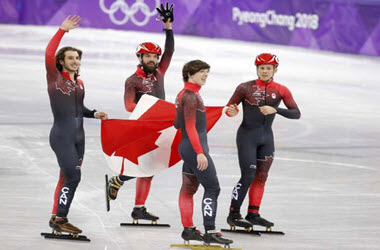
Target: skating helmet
(267, 58)
(148, 47)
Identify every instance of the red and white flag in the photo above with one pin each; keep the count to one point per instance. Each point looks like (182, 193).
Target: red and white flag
(147, 143)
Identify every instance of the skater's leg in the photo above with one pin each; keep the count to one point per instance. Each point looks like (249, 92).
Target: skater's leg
(56, 193)
(69, 163)
(58, 188)
(189, 187)
(69, 155)
(209, 180)
(142, 190)
(115, 183)
(247, 152)
(264, 162)
(256, 190)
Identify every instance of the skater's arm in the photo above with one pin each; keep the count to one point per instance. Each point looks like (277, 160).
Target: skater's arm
(189, 113)
(88, 113)
(169, 48)
(292, 111)
(235, 100)
(129, 95)
(94, 114)
(50, 63)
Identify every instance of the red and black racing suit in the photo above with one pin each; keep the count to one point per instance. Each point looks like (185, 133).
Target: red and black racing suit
(255, 137)
(67, 134)
(191, 119)
(139, 84)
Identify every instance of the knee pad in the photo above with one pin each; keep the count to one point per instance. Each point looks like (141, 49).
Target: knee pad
(213, 188)
(217, 190)
(247, 178)
(190, 184)
(263, 167)
(73, 180)
(261, 176)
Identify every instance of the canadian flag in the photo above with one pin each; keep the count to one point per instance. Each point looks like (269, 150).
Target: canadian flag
(147, 143)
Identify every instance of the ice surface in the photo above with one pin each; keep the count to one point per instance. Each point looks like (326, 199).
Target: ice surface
(323, 188)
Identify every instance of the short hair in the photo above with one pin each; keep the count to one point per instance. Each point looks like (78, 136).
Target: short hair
(193, 67)
(61, 55)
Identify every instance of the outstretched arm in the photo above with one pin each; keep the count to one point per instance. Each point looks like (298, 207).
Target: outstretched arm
(167, 20)
(68, 24)
(94, 114)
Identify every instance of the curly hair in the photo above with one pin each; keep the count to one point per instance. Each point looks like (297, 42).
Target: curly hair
(61, 55)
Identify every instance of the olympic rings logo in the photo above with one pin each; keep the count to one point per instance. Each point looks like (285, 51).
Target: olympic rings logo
(129, 12)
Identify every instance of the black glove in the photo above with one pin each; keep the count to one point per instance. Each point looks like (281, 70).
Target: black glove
(166, 13)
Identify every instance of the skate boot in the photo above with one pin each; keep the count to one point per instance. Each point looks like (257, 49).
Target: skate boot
(235, 220)
(255, 219)
(191, 233)
(212, 236)
(51, 221)
(61, 225)
(113, 187)
(140, 213)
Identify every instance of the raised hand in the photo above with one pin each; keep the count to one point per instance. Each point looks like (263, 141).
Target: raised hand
(71, 22)
(166, 13)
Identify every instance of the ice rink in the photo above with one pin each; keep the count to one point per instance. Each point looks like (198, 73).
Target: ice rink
(323, 189)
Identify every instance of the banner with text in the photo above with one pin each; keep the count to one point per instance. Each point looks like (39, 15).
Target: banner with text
(351, 26)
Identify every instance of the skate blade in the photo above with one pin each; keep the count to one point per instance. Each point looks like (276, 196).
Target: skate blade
(214, 247)
(185, 245)
(242, 231)
(107, 197)
(136, 221)
(136, 224)
(234, 228)
(65, 236)
(201, 247)
(153, 222)
(269, 232)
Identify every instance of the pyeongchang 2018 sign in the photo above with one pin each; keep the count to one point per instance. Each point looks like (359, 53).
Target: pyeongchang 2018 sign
(139, 12)
(270, 17)
(343, 26)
